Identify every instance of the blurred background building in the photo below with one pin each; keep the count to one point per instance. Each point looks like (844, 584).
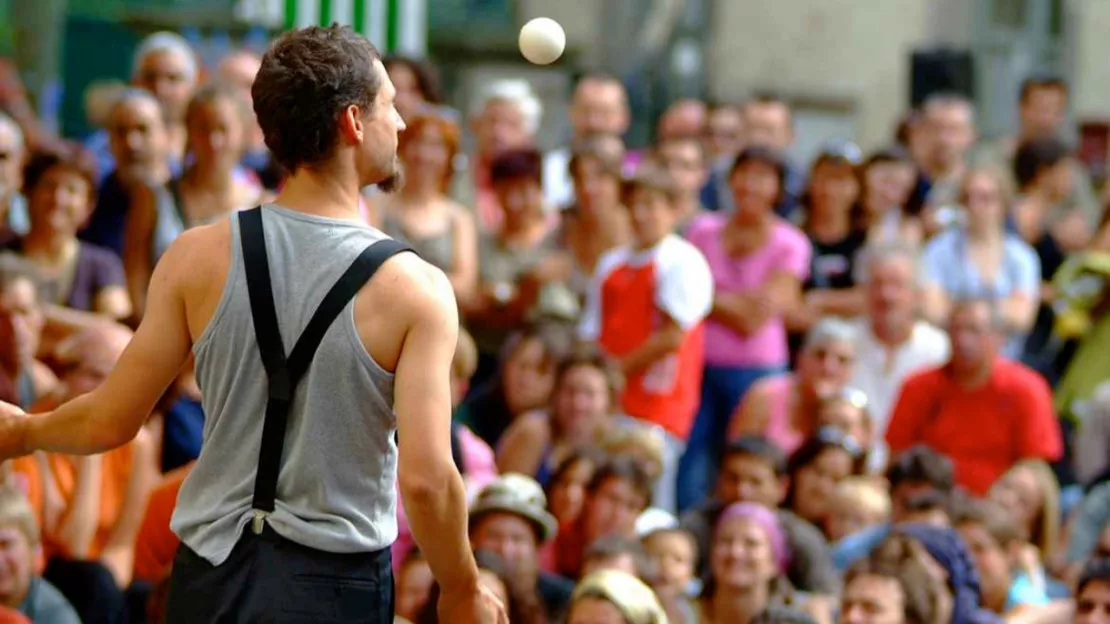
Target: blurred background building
(849, 66)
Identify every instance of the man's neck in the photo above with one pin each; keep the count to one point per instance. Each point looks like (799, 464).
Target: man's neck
(178, 139)
(332, 195)
(939, 172)
(644, 245)
(829, 225)
(892, 335)
(687, 207)
(973, 376)
(154, 174)
(211, 177)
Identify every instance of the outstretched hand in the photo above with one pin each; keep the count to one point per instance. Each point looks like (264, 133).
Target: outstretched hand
(13, 431)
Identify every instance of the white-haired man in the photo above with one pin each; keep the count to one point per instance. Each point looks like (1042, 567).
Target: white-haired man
(165, 65)
(505, 115)
(891, 342)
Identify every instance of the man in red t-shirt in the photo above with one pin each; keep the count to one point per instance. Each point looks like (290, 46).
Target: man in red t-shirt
(983, 411)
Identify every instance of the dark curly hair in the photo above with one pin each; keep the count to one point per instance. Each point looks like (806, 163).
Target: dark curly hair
(307, 76)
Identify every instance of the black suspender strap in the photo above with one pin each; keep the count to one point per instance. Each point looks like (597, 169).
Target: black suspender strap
(284, 373)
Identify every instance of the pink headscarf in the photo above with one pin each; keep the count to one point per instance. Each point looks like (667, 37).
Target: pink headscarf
(768, 521)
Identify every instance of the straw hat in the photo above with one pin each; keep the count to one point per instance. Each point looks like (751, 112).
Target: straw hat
(520, 495)
(634, 599)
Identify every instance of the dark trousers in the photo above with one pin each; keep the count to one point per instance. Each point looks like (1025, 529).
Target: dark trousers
(90, 588)
(269, 579)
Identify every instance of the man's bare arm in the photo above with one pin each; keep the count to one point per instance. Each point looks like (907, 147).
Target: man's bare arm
(432, 489)
(112, 414)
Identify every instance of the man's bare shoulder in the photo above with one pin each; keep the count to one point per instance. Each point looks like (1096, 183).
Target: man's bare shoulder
(199, 251)
(414, 286)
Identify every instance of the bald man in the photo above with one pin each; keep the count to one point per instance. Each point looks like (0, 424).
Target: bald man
(682, 120)
(599, 107)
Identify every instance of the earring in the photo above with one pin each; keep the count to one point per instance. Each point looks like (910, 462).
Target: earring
(359, 135)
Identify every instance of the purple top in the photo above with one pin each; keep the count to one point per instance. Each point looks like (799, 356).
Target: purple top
(96, 268)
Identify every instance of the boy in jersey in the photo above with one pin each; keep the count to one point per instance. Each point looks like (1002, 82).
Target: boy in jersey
(645, 309)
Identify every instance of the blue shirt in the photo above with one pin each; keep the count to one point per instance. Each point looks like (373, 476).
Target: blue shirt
(857, 546)
(945, 263)
(1024, 592)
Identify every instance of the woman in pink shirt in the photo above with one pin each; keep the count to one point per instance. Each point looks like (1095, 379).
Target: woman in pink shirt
(758, 262)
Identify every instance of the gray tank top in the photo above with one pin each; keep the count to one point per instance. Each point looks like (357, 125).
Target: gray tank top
(438, 250)
(336, 491)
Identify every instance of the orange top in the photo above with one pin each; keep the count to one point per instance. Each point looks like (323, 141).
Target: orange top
(984, 430)
(114, 477)
(156, 544)
(633, 294)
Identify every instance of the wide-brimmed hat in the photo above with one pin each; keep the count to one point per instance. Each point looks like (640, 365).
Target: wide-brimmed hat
(520, 495)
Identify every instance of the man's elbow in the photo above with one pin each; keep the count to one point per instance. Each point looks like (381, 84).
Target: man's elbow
(425, 481)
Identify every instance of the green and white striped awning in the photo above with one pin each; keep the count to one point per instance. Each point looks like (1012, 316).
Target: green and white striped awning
(392, 25)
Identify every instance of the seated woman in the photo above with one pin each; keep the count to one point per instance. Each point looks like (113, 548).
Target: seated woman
(1030, 493)
(441, 230)
(785, 408)
(747, 562)
(616, 597)
(823, 460)
(566, 489)
(71, 273)
(522, 383)
(582, 402)
(980, 259)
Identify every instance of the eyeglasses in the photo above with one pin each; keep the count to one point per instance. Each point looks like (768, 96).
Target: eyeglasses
(834, 437)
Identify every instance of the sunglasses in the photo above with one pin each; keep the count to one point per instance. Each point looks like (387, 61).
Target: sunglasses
(831, 436)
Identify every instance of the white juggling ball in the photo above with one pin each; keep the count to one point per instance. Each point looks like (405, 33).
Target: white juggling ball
(542, 41)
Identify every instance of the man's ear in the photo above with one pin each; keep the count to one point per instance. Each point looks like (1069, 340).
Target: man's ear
(350, 124)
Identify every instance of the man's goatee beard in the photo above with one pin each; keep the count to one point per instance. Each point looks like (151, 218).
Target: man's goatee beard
(394, 182)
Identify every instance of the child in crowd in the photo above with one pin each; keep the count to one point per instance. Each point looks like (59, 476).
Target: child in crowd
(645, 309)
(675, 554)
(857, 503)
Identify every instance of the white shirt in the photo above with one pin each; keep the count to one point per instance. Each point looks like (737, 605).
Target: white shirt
(880, 372)
(558, 188)
(683, 283)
